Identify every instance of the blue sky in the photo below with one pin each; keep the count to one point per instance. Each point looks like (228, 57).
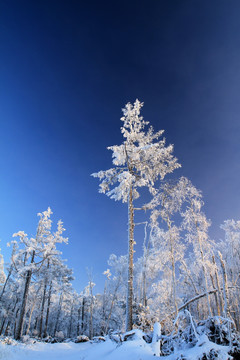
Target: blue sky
(68, 67)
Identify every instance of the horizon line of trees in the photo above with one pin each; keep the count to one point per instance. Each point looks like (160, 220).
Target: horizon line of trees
(173, 273)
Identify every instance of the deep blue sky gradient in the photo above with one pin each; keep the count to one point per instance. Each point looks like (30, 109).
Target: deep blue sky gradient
(66, 70)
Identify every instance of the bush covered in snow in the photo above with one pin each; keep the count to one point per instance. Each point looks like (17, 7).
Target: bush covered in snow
(214, 338)
(82, 338)
(188, 334)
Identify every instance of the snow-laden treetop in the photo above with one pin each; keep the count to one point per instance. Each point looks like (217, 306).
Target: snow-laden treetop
(139, 161)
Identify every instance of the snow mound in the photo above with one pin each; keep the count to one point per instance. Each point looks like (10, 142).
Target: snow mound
(134, 349)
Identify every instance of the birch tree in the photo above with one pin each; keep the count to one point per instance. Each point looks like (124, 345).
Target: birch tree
(196, 225)
(141, 160)
(32, 254)
(167, 205)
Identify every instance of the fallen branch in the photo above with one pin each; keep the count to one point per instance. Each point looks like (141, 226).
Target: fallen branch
(195, 298)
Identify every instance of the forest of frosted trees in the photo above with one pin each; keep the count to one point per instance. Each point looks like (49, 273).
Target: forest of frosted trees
(180, 266)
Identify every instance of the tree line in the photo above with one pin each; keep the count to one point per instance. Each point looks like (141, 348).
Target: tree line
(180, 266)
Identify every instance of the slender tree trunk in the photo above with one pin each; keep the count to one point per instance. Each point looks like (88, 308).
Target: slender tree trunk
(225, 287)
(218, 286)
(6, 329)
(83, 314)
(144, 296)
(2, 326)
(174, 280)
(70, 322)
(215, 296)
(78, 321)
(24, 301)
(5, 284)
(23, 306)
(31, 311)
(190, 276)
(48, 309)
(206, 287)
(91, 313)
(103, 325)
(129, 302)
(226, 296)
(43, 303)
(30, 318)
(144, 273)
(5, 318)
(193, 284)
(10, 320)
(204, 269)
(173, 268)
(112, 303)
(58, 313)
(42, 310)
(15, 323)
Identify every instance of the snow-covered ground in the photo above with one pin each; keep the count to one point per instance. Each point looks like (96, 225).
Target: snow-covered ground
(136, 349)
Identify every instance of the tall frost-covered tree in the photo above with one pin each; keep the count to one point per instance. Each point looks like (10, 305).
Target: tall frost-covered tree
(141, 160)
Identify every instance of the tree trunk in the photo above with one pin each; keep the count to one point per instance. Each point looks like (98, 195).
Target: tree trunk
(30, 318)
(2, 326)
(6, 281)
(48, 309)
(129, 302)
(218, 286)
(5, 318)
(190, 276)
(204, 269)
(91, 313)
(173, 267)
(24, 301)
(193, 284)
(58, 314)
(15, 323)
(225, 287)
(70, 322)
(6, 329)
(144, 272)
(103, 325)
(215, 296)
(144, 296)
(83, 314)
(112, 303)
(174, 281)
(43, 303)
(78, 321)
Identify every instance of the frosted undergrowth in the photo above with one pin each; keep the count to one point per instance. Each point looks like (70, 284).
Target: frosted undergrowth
(133, 349)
